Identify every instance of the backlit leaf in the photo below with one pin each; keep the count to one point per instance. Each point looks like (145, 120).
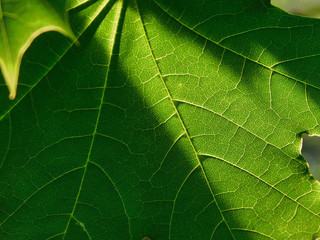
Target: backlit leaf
(170, 120)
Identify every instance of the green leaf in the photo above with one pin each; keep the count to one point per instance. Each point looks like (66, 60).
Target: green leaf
(20, 23)
(171, 120)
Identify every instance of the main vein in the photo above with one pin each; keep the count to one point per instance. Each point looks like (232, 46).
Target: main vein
(182, 124)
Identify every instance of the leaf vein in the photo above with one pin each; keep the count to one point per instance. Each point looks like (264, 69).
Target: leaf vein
(180, 119)
(119, 11)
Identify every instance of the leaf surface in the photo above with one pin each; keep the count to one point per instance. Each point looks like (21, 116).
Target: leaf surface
(164, 124)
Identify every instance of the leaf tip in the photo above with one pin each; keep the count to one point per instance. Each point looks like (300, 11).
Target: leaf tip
(12, 95)
(10, 75)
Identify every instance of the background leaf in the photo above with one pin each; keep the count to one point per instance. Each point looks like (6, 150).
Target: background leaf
(20, 23)
(162, 123)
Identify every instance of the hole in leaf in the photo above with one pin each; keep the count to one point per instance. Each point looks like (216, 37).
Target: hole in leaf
(311, 151)
(309, 8)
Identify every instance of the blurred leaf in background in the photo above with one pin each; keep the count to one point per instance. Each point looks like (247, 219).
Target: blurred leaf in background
(310, 8)
(311, 151)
